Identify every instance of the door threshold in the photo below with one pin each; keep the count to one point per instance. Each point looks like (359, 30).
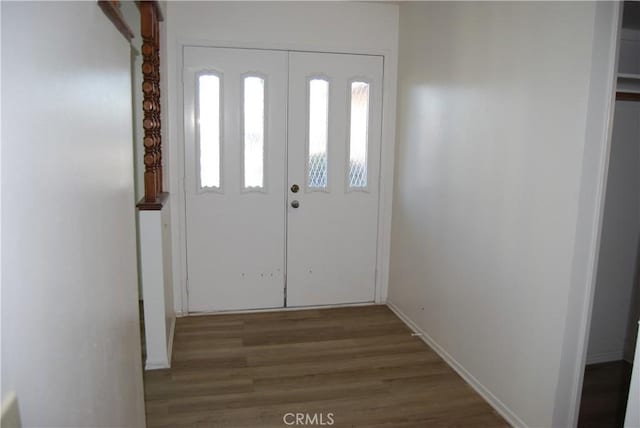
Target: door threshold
(283, 309)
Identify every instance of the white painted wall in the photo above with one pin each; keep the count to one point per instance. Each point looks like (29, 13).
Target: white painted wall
(159, 315)
(629, 59)
(614, 320)
(167, 278)
(600, 108)
(70, 329)
(495, 127)
(2, 393)
(358, 27)
(619, 245)
(131, 15)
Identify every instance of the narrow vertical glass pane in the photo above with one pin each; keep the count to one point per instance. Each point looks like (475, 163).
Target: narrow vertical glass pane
(209, 129)
(253, 132)
(318, 133)
(358, 137)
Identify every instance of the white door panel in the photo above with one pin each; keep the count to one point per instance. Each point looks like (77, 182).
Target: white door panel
(239, 215)
(332, 235)
(235, 235)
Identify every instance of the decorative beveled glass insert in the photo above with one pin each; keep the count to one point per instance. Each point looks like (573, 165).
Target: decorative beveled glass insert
(208, 125)
(359, 135)
(318, 133)
(253, 122)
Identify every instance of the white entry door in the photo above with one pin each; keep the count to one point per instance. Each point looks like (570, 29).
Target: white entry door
(235, 176)
(281, 209)
(335, 113)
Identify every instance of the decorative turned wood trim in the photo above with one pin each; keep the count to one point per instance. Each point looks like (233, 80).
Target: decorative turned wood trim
(111, 9)
(150, 16)
(156, 6)
(627, 96)
(156, 205)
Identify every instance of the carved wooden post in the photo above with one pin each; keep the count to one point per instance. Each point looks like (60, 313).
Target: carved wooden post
(149, 20)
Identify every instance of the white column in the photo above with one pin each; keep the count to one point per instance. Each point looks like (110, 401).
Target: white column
(155, 264)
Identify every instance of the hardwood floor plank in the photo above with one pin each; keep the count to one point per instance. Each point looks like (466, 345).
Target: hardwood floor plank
(604, 395)
(400, 373)
(359, 363)
(336, 354)
(170, 390)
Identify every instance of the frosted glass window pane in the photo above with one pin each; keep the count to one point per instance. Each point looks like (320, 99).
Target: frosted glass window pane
(209, 129)
(318, 133)
(253, 132)
(358, 137)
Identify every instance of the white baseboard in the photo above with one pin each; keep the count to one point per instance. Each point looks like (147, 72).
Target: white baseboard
(493, 401)
(605, 357)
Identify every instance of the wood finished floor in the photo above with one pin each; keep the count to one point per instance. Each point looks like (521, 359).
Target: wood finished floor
(604, 395)
(361, 364)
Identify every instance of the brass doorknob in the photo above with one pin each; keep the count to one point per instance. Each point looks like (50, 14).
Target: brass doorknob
(295, 204)
(295, 188)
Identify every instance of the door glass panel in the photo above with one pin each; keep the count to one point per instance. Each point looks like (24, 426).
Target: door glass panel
(318, 133)
(208, 126)
(358, 136)
(253, 122)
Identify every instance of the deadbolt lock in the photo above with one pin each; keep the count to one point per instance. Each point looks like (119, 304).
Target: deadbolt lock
(295, 188)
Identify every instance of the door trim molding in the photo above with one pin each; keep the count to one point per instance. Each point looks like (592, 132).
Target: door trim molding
(387, 154)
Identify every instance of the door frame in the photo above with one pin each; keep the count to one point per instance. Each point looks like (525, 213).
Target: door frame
(591, 201)
(386, 173)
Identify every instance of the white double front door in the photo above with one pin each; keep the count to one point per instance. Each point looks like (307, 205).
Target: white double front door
(281, 177)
